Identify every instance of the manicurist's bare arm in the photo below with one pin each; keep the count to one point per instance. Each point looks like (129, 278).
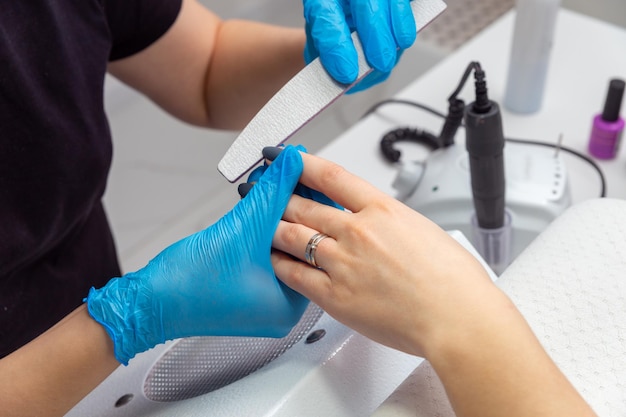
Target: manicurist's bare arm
(211, 72)
(51, 374)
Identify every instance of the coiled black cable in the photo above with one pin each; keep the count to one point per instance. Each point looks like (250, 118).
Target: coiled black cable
(404, 133)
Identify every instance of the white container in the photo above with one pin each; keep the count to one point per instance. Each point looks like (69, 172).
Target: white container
(530, 54)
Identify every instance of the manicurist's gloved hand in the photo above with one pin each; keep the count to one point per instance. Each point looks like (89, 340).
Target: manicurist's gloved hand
(385, 28)
(271, 153)
(217, 282)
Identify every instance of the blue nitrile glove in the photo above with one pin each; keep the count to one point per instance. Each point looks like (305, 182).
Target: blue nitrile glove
(301, 190)
(385, 28)
(217, 282)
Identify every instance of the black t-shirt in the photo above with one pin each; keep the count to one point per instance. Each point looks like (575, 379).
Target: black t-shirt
(55, 151)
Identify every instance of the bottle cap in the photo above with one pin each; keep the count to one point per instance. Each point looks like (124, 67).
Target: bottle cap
(613, 101)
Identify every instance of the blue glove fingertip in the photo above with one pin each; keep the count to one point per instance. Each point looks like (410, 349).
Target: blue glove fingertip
(284, 171)
(381, 52)
(403, 24)
(270, 153)
(256, 174)
(341, 63)
(406, 39)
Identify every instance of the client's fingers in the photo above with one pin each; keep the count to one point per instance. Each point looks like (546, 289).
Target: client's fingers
(313, 283)
(338, 184)
(317, 216)
(294, 239)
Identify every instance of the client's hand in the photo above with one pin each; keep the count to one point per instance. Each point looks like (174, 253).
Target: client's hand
(217, 282)
(396, 277)
(387, 271)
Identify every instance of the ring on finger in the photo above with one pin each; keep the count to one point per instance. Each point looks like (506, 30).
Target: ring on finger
(311, 247)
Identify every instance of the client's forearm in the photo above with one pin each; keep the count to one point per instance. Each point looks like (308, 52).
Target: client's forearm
(495, 366)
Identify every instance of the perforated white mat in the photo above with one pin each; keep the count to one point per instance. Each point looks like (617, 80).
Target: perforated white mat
(570, 284)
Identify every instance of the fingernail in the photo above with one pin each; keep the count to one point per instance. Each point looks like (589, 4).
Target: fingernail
(271, 152)
(244, 189)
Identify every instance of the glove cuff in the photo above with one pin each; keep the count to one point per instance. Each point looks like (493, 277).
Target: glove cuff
(115, 307)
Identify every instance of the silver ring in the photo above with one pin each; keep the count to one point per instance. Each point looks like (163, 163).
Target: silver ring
(311, 247)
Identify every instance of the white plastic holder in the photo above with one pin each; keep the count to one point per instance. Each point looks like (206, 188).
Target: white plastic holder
(494, 245)
(537, 191)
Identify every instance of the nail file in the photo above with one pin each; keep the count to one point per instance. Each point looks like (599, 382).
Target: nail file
(303, 97)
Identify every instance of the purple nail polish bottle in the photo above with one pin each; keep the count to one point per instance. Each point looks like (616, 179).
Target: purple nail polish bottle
(606, 132)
